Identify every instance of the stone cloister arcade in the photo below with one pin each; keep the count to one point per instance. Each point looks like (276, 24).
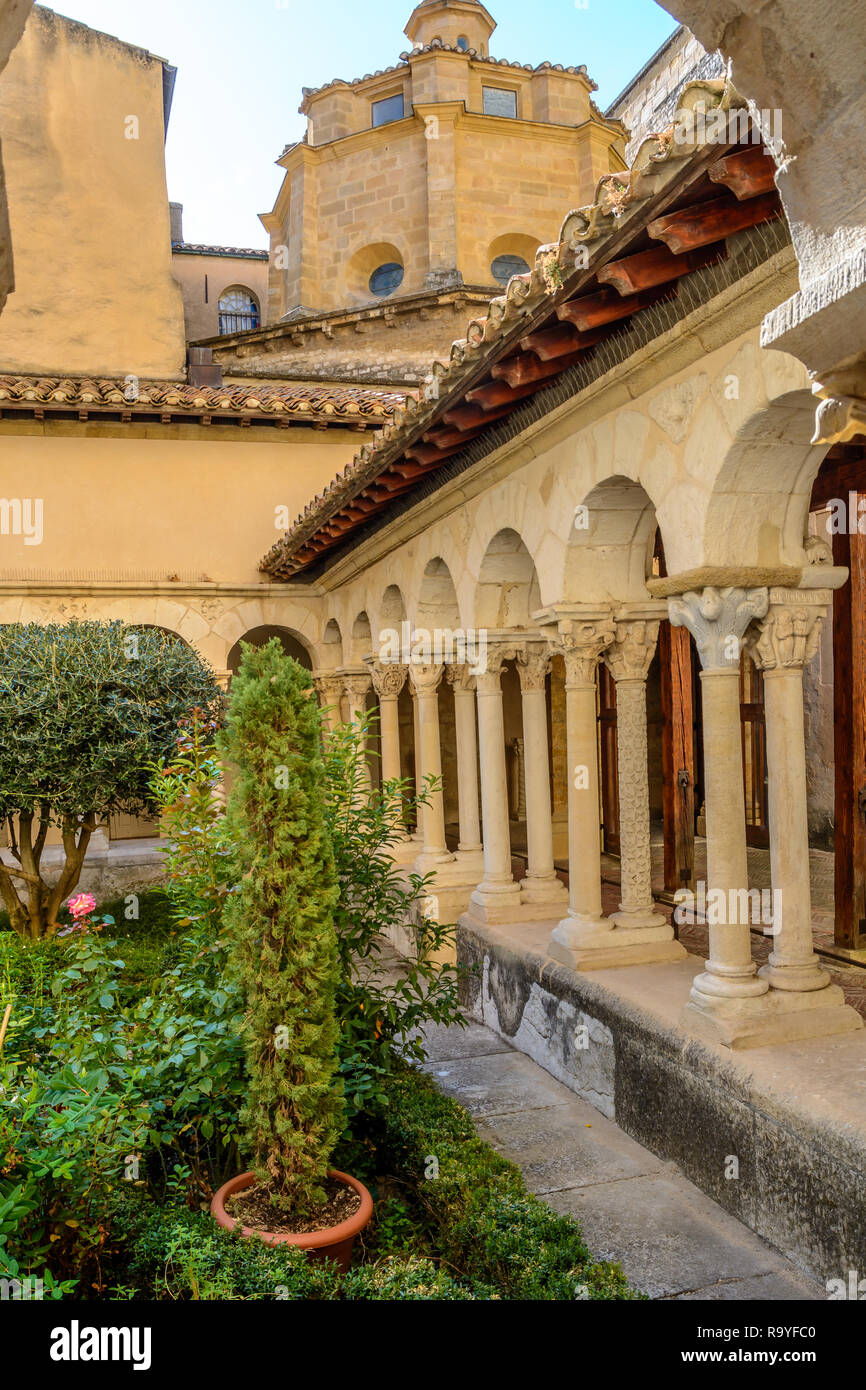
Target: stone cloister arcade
(548, 578)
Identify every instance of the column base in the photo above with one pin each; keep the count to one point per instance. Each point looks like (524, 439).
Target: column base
(471, 862)
(641, 920)
(803, 979)
(774, 1017)
(497, 906)
(403, 851)
(598, 944)
(550, 890)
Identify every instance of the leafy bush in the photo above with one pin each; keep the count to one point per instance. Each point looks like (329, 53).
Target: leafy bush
(281, 927)
(85, 708)
(378, 1011)
(483, 1220)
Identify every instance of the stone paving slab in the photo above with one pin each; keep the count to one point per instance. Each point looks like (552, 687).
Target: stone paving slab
(570, 1145)
(672, 1241)
(668, 1237)
(497, 1084)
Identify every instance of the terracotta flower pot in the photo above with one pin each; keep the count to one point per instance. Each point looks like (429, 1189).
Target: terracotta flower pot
(332, 1243)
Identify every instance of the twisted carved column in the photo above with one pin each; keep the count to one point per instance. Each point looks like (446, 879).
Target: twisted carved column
(540, 883)
(628, 659)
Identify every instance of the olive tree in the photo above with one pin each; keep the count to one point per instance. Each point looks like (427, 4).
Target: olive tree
(86, 708)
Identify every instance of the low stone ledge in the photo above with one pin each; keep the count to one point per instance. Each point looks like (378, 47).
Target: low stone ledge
(793, 1116)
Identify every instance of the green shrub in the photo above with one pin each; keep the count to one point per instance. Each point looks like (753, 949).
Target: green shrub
(281, 927)
(482, 1219)
(85, 709)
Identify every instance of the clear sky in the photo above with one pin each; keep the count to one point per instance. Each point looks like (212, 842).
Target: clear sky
(241, 67)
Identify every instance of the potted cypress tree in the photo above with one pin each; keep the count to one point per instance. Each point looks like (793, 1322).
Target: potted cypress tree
(284, 950)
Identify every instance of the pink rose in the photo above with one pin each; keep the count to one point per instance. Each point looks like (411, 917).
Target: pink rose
(82, 905)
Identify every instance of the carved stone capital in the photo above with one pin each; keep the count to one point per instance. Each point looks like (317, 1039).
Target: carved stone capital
(789, 635)
(357, 688)
(329, 689)
(533, 664)
(424, 678)
(718, 619)
(388, 678)
(461, 678)
(629, 655)
(838, 419)
(580, 644)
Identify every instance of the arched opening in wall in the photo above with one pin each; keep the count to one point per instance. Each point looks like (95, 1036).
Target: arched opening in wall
(332, 646)
(614, 547)
(512, 254)
(462, 43)
(238, 310)
(374, 272)
(362, 640)
(506, 597)
(834, 691)
(290, 642)
(779, 500)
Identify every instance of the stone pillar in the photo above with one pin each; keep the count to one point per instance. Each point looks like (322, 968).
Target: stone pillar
(718, 619)
(469, 852)
(357, 687)
(425, 680)
(418, 833)
(540, 884)
(497, 897)
(782, 645)
(329, 689)
(388, 680)
(628, 659)
(582, 934)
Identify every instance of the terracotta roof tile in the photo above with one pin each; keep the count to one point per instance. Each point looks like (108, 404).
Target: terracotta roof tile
(357, 404)
(658, 165)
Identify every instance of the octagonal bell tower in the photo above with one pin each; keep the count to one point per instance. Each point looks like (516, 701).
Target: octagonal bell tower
(462, 24)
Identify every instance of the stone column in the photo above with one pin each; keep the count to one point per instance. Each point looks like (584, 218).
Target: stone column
(469, 852)
(357, 687)
(628, 659)
(782, 645)
(329, 689)
(540, 884)
(718, 619)
(580, 935)
(425, 680)
(388, 680)
(418, 833)
(497, 897)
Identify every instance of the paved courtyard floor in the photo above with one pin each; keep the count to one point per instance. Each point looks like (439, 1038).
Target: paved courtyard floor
(672, 1241)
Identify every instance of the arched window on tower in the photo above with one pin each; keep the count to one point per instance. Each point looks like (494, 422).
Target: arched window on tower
(238, 310)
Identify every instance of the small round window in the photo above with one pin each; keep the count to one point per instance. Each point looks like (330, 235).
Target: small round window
(504, 267)
(386, 279)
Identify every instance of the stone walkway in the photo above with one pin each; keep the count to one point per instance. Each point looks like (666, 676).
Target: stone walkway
(672, 1241)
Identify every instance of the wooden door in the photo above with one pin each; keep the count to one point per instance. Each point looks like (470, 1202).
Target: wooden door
(607, 739)
(678, 755)
(753, 738)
